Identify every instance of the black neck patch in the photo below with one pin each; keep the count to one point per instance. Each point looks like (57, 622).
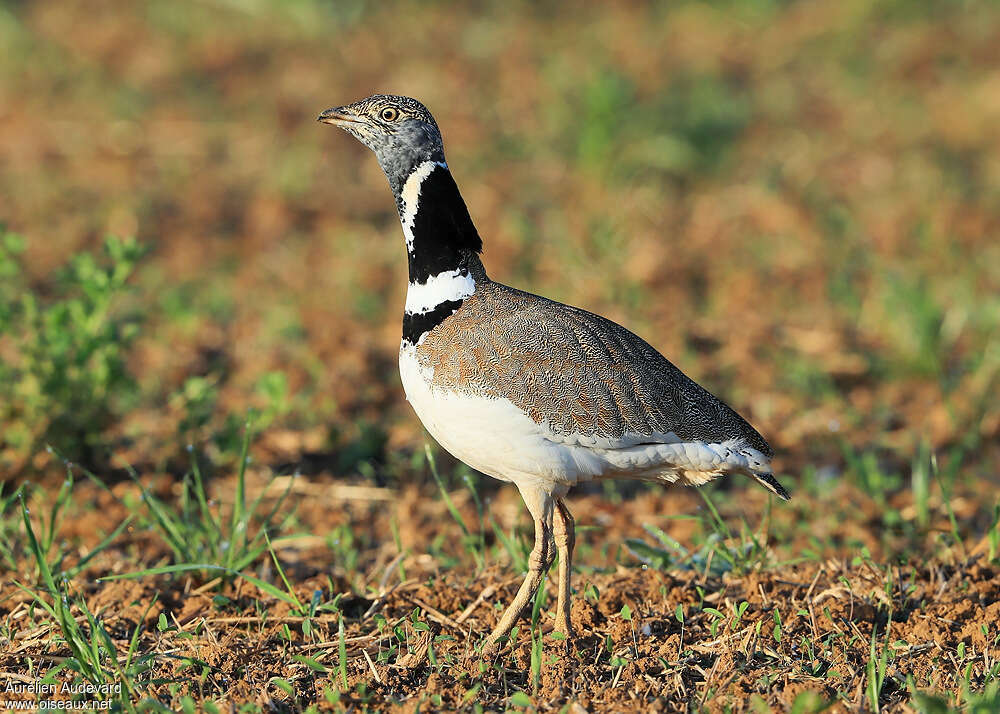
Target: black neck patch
(444, 237)
(415, 325)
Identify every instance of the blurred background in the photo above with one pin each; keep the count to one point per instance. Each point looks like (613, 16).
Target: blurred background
(796, 202)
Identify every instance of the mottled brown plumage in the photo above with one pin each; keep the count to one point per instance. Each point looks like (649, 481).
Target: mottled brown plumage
(585, 378)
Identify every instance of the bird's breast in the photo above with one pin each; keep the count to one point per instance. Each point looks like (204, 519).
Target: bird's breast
(490, 434)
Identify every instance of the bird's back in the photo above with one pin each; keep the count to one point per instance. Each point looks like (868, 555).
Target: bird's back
(586, 379)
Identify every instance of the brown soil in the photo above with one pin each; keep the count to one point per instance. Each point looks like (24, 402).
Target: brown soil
(631, 651)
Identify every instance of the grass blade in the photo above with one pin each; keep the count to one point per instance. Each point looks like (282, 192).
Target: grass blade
(207, 567)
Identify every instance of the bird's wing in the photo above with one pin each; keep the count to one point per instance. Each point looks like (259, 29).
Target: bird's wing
(588, 380)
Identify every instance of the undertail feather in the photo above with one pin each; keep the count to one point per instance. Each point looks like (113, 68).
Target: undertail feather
(771, 484)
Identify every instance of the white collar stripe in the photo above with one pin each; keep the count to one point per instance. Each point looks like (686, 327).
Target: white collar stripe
(440, 288)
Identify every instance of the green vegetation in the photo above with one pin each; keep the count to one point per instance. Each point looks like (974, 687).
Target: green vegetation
(64, 378)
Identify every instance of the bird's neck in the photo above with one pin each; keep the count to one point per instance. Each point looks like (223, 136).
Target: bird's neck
(442, 247)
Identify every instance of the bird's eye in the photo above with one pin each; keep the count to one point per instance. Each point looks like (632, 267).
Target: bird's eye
(389, 114)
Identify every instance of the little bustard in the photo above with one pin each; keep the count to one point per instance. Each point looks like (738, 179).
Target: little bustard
(525, 389)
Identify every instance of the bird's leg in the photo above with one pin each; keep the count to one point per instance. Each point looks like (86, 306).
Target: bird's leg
(540, 504)
(564, 530)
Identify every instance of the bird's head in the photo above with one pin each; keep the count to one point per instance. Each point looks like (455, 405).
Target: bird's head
(400, 131)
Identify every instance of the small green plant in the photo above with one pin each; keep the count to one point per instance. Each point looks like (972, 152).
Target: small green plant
(342, 654)
(662, 557)
(202, 420)
(9, 526)
(473, 541)
(536, 659)
(738, 612)
(515, 547)
(921, 481)
(719, 552)
(93, 654)
(203, 539)
(520, 699)
(64, 378)
(743, 555)
(717, 618)
(272, 391)
(874, 479)
(875, 671)
(49, 520)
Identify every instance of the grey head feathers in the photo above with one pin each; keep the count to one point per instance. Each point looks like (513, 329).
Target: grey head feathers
(400, 131)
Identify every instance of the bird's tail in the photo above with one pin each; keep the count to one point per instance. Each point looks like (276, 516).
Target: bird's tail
(768, 481)
(757, 464)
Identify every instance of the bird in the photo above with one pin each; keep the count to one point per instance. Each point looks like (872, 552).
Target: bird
(525, 389)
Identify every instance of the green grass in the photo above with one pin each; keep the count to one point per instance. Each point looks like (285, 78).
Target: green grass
(201, 536)
(94, 656)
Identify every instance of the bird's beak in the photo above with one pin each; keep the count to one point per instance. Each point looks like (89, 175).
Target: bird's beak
(339, 116)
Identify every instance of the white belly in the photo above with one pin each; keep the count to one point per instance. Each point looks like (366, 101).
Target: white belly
(490, 435)
(497, 438)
